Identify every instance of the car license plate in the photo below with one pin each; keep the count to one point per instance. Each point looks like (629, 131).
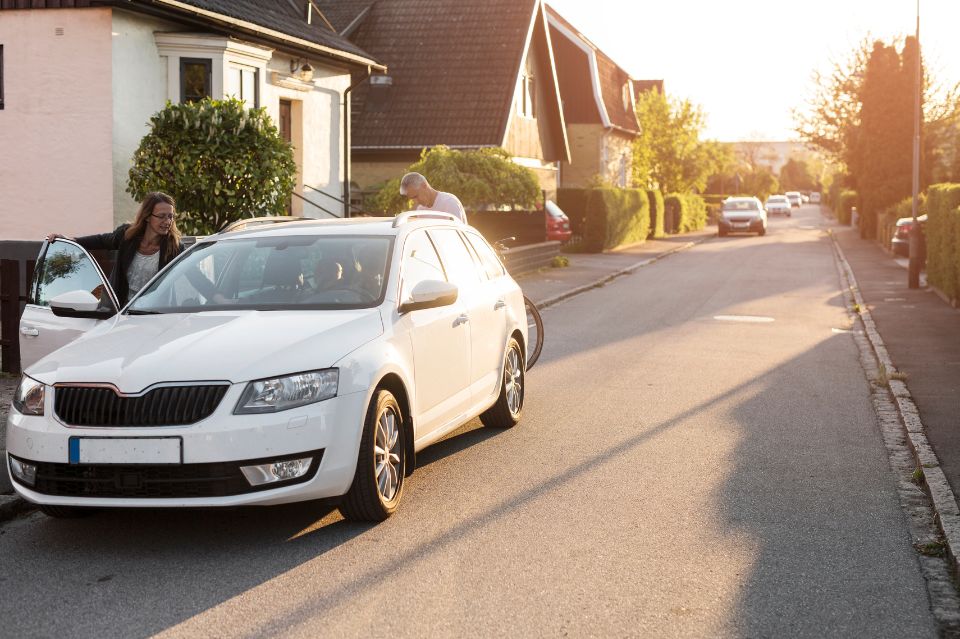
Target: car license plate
(126, 450)
(741, 225)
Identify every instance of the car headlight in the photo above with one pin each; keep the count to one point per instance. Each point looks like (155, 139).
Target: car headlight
(28, 399)
(282, 393)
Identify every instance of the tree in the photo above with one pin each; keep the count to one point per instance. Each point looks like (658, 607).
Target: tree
(884, 148)
(219, 160)
(482, 179)
(797, 175)
(833, 123)
(668, 154)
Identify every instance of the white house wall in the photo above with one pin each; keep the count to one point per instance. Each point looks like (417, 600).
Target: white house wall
(139, 91)
(55, 128)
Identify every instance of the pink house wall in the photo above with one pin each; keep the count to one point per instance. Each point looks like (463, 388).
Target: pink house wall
(56, 126)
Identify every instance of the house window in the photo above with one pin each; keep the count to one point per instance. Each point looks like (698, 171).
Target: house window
(1, 76)
(195, 79)
(242, 84)
(526, 95)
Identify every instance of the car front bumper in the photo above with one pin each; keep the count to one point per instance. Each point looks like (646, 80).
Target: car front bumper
(328, 431)
(747, 226)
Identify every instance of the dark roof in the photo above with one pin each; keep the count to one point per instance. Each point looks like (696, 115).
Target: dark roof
(285, 16)
(454, 66)
(288, 17)
(577, 89)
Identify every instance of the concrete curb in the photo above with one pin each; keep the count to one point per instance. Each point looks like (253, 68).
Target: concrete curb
(942, 495)
(550, 301)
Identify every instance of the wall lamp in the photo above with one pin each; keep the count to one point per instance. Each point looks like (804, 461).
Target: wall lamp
(302, 69)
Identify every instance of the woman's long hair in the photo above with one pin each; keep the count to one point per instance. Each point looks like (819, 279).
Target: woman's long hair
(171, 243)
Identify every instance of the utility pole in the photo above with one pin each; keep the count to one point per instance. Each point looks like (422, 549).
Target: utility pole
(916, 237)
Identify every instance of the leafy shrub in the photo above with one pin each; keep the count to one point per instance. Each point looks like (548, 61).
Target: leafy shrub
(218, 159)
(482, 178)
(615, 217)
(656, 213)
(845, 202)
(685, 212)
(943, 238)
(574, 204)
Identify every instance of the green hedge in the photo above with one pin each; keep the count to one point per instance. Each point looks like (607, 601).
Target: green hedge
(685, 212)
(605, 218)
(574, 204)
(845, 201)
(656, 213)
(943, 238)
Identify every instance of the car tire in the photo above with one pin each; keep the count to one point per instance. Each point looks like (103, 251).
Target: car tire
(66, 512)
(505, 413)
(721, 233)
(762, 231)
(381, 463)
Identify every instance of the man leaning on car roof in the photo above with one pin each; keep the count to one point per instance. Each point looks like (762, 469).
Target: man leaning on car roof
(416, 187)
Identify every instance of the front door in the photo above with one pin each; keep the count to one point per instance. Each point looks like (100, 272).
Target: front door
(441, 342)
(63, 266)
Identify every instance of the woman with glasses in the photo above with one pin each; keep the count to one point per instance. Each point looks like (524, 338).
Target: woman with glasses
(143, 247)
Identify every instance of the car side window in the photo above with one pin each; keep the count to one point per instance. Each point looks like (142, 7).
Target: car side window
(460, 265)
(492, 266)
(420, 262)
(69, 268)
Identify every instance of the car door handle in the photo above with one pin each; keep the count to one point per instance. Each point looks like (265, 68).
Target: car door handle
(461, 319)
(29, 331)
(500, 304)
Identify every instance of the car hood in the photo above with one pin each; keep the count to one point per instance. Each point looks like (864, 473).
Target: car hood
(133, 352)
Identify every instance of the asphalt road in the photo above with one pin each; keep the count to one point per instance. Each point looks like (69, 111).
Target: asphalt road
(675, 474)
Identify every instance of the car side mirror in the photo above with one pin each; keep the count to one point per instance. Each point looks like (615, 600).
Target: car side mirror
(80, 304)
(430, 294)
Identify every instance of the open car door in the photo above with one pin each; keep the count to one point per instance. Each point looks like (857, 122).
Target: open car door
(62, 267)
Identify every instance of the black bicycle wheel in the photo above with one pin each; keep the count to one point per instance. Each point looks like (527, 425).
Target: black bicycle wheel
(534, 332)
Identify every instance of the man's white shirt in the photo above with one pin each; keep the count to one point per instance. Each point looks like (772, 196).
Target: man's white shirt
(446, 203)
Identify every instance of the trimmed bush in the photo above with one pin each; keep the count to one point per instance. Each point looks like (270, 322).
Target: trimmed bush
(845, 202)
(685, 212)
(615, 217)
(943, 238)
(656, 213)
(574, 204)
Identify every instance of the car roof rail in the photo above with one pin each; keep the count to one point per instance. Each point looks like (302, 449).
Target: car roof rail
(410, 216)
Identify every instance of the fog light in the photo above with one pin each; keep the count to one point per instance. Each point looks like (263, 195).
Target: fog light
(276, 471)
(23, 472)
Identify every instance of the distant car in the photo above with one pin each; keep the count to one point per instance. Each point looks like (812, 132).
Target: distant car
(558, 224)
(795, 198)
(900, 243)
(815, 197)
(804, 198)
(742, 215)
(778, 204)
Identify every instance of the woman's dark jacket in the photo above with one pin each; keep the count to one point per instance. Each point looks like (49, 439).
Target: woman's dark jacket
(126, 250)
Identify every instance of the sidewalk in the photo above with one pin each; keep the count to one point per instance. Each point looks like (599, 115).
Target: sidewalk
(922, 335)
(544, 287)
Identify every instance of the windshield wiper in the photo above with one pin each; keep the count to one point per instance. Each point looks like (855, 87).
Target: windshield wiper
(136, 311)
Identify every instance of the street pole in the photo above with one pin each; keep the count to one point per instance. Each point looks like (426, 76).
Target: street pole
(916, 238)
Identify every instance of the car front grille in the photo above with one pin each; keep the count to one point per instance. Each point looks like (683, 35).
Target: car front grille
(739, 220)
(163, 406)
(219, 479)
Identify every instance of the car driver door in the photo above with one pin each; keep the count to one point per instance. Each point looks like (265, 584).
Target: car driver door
(63, 266)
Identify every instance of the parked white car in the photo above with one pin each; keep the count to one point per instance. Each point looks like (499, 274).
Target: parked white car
(796, 199)
(283, 363)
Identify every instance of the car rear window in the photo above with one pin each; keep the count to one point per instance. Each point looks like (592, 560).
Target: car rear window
(740, 205)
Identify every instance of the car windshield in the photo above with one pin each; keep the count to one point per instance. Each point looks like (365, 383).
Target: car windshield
(740, 205)
(272, 273)
(554, 210)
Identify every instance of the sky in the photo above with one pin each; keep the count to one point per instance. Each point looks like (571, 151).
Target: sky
(749, 63)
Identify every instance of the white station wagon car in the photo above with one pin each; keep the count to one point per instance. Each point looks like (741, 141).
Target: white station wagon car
(283, 363)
